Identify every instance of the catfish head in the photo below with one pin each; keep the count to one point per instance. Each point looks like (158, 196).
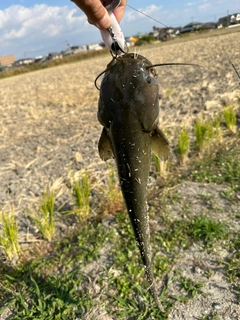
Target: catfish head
(129, 112)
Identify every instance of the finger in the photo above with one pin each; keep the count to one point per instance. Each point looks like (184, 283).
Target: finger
(119, 11)
(95, 12)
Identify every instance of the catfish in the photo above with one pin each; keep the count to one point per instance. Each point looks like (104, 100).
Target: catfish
(128, 110)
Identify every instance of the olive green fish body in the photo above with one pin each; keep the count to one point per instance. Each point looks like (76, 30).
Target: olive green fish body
(129, 112)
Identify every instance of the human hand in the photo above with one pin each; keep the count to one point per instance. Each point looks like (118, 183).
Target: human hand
(97, 14)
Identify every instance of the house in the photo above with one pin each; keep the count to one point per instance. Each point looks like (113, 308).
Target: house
(238, 18)
(235, 18)
(7, 60)
(51, 56)
(230, 19)
(23, 62)
(73, 50)
(54, 56)
(164, 33)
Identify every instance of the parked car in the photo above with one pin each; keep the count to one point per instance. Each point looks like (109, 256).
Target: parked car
(190, 27)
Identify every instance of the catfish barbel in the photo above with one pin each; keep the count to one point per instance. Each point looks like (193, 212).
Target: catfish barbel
(128, 110)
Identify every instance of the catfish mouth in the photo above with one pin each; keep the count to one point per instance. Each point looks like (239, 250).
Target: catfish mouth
(134, 56)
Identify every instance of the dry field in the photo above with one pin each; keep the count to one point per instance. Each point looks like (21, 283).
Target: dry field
(48, 125)
(49, 116)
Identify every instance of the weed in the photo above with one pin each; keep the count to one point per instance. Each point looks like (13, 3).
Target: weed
(53, 297)
(211, 316)
(206, 229)
(43, 217)
(205, 196)
(216, 123)
(203, 134)
(223, 166)
(190, 287)
(229, 193)
(91, 240)
(233, 262)
(80, 192)
(9, 234)
(114, 200)
(183, 145)
(230, 118)
(169, 92)
(160, 165)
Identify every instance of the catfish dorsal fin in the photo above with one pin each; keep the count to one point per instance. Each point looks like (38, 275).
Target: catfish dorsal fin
(104, 146)
(160, 144)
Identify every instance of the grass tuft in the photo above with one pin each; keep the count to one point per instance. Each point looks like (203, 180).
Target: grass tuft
(190, 287)
(206, 229)
(114, 200)
(230, 118)
(44, 215)
(203, 134)
(80, 193)
(9, 234)
(183, 145)
(159, 165)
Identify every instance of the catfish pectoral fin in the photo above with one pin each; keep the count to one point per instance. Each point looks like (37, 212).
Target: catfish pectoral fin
(160, 144)
(104, 146)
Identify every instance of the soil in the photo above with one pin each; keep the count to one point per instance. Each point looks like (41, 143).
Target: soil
(49, 126)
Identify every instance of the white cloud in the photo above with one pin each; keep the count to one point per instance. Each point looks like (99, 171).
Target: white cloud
(37, 25)
(189, 4)
(204, 6)
(18, 21)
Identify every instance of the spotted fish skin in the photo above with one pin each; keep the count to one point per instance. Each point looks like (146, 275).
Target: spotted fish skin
(129, 112)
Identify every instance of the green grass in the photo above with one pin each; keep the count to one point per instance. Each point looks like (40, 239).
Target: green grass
(222, 167)
(51, 280)
(233, 262)
(191, 287)
(9, 234)
(230, 118)
(80, 193)
(36, 289)
(44, 214)
(183, 145)
(56, 287)
(203, 134)
(32, 296)
(113, 203)
(218, 132)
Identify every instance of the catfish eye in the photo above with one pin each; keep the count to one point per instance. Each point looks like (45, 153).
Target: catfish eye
(149, 80)
(153, 72)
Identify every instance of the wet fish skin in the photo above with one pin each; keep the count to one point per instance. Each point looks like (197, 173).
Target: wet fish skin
(129, 112)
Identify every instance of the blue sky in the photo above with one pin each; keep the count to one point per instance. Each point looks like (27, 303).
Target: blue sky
(36, 27)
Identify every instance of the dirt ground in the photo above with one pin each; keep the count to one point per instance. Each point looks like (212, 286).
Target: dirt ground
(49, 125)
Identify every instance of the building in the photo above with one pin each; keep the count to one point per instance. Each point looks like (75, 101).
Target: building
(23, 62)
(224, 21)
(7, 60)
(235, 18)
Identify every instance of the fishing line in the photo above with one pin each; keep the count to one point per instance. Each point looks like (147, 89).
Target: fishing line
(237, 73)
(146, 15)
(163, 24)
